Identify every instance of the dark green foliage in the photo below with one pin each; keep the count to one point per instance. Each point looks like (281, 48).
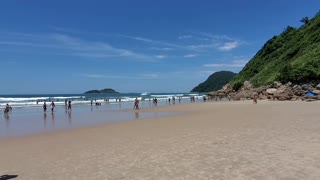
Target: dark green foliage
(108, 90)
(293, 56)
(92, 92)
(236, 86)
(215, 82)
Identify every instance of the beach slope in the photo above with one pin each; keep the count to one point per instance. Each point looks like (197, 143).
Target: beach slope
(226, 140)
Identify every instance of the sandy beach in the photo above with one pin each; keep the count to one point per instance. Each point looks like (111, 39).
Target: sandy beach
(224, 140)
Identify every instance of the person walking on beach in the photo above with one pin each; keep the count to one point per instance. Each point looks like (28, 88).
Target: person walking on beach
(69, 105)
(155, 101)
(52, 105)
(136, 104)
(255, 99)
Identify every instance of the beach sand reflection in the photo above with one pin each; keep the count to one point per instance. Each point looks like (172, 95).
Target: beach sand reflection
(27, 121)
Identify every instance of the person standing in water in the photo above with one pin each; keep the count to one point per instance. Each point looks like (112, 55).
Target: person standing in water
(52, 105)
(44, 106)
(69, 105)
(136, 103)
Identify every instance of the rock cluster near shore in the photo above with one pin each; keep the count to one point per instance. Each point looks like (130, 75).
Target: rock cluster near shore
(276, 91)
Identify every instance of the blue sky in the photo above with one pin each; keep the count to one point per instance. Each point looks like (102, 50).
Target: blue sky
(133, 45)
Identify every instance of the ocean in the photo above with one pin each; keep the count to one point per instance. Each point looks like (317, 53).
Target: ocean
(28, 117)
(25, 101)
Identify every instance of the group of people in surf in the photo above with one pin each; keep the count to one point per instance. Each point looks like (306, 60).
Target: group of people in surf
(97, 103)
(52, 105)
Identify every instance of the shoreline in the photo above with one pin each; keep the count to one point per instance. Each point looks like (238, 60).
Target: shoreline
(225, 140)
(84, 115)
(141, 114)
(177, 110)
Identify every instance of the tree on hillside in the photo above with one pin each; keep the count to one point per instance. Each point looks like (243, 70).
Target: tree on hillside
(305, 20)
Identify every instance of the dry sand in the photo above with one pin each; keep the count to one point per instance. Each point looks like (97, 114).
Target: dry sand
(227, 140)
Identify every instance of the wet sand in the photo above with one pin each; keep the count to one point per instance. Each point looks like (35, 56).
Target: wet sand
(225, 140)
(27, 121)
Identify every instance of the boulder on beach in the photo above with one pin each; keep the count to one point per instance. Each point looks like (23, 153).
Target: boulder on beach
(271, 90)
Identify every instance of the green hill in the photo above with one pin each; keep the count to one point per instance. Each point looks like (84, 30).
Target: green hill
(215, 82)
(293, 56)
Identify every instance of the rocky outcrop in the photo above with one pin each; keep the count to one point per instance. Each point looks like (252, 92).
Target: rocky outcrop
(247, 85)
(316, 92)
(244, 94)
(276, 91)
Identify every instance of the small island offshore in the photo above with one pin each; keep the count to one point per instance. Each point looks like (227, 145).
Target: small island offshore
(107, 90)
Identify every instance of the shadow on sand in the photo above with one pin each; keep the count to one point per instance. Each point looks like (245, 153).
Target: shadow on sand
(6, 177)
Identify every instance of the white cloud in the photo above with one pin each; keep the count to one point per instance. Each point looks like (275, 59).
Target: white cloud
(189, 55)
(84, 48)
(219, 42)
(161, 56)
(202, 47)
(149, 76)
(185, 37)
(12, 62)
(233, 64)
(162, 49)
(71, 45)
(209, 42)
(213, 37)
(229, 46)
(167, 49)
(193, 45)
(139, 76)
(94, 76)
(162, 43)
(29, 44)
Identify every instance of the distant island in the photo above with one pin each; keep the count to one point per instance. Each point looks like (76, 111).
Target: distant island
(108, 90)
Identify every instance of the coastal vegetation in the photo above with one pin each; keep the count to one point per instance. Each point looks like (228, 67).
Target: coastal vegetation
(107, 90)
(293, 56)
(214, 82)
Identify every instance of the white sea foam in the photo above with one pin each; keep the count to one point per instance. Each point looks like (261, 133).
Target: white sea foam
(3, 99)
(25, 102)
(166, 95)
(71, 97)
(193, 94)
(11, 99)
